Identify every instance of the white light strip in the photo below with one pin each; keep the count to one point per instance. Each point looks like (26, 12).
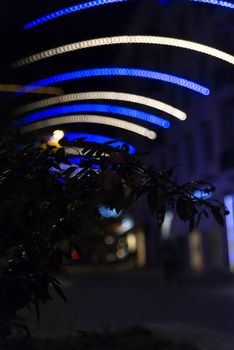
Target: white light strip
(126, 39)
(95, 119)
(103, 95)
(229, 203)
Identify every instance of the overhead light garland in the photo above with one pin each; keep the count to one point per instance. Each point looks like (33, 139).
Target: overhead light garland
(68, 10)
(127, 39)
(217, 2)
(103, 95)
(93, 119)
(116, 71)
(89, 108)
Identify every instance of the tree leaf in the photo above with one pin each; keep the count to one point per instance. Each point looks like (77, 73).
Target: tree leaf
(217, 215)
(59, 291)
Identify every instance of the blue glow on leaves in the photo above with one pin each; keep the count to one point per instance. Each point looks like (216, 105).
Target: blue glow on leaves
(77, 161)
(201, 194)
(108, 213)
(68, 10)
(90, 108)
(99, 139)
(217, 2)
(130, 72)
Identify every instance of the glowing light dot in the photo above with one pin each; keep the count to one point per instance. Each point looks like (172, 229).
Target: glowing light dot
(58, 134)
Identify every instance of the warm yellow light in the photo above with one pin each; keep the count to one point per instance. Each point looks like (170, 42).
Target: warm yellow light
(105, 95)
(132, 242)
(48, 90)
(127, 39)
(94, 119)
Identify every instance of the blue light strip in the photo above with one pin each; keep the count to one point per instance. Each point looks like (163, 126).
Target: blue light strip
(68, 10)
(79, 7)
(217, 2)
(98, 139)
(131, 72)
(90, 108)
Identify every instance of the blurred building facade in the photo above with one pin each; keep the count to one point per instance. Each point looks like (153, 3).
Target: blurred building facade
(202, 146)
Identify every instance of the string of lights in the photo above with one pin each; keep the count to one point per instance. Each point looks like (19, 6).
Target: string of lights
(68, 10)
(95, 3)
(93, 119)
(106, 95)
(90, 108)
(126, 39)
(217, 2)
(126, 72)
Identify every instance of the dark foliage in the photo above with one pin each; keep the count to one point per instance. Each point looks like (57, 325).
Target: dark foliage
(43, 205)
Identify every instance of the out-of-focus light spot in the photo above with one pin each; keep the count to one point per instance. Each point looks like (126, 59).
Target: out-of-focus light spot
(229, 203)
(55, 138)
(128, 39)
(58, 134)
(74, 254)
(104, 95)
(196, 251)
(122, 253)
(108, 213)
(126, 225)
(131, 242)
(121, 72)
(141, 249)
(166, 226)
(227, 4)
(109, 240)
(87, 108)
(93, 119)
(99, 139)
(49, 90)
(68, 10)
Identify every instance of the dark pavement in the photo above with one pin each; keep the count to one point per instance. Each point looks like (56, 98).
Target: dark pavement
(203, 307)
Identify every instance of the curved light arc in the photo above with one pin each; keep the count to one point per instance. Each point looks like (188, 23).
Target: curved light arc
(127, 39)
(217, 2)
(93, 119)
(91, 108)
(106, 95)
(116, 71)
(66, 11)
(97, 138)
